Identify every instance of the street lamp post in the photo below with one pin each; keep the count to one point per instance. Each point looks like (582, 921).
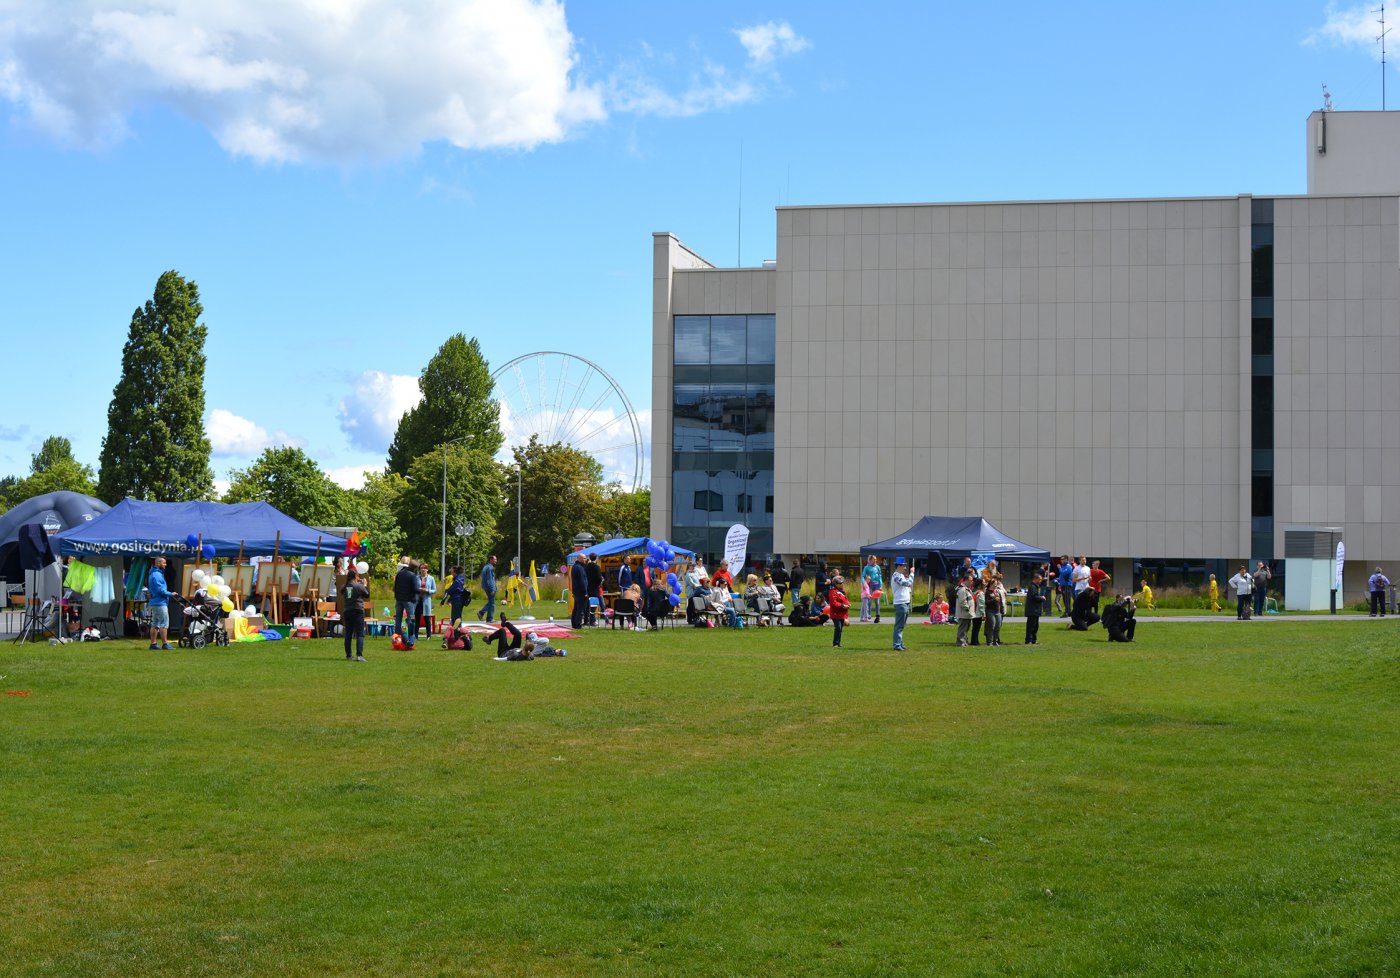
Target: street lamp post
(519, 492)
(442, 553)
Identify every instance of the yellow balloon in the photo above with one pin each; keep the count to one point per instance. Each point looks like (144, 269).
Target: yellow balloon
(227, 606)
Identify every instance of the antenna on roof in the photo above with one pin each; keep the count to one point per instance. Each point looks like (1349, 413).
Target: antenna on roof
(1326, 98)
(1380, 39)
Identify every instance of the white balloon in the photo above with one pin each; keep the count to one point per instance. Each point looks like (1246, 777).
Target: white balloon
(218, 579)
(362, 567)
(197, 575)
(250, 610)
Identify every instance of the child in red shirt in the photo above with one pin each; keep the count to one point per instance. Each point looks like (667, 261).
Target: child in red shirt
(838, 606)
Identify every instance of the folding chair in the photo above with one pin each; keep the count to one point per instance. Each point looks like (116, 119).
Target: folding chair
(623, 609)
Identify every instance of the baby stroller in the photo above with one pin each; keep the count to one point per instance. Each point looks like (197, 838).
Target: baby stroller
(203, 624)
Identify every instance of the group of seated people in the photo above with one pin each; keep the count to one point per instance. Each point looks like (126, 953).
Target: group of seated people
(760, 597)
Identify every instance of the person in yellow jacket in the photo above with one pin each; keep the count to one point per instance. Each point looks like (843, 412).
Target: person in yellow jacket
(1146, 599)
(1214, 594)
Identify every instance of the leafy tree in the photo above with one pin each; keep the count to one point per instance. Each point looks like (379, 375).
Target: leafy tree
(9, 491)
(562, 493)
(457, 388)
(628, 513)
(53, 468)
(372, 510)
(291, 480)
(156, 447)
(474, 482)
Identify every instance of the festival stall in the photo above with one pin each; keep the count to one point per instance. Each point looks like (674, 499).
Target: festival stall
(193, 536)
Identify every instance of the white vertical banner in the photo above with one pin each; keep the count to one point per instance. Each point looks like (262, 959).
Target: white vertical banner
(736, 547)
(1341, 560)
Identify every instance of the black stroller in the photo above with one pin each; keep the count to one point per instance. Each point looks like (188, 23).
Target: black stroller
(203, 623)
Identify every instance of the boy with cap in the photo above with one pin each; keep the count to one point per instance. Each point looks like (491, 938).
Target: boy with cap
(902, 592)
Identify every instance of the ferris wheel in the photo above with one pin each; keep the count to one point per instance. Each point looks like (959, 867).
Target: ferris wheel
(561, 397)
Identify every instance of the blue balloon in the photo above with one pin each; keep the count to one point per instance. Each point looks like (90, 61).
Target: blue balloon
(192, 540)
(207, 551)
(675, 599)
(671, 579)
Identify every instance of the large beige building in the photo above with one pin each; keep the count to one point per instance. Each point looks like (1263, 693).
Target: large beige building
(1167, 381)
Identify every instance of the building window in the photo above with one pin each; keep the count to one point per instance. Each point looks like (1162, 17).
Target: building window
(744, 503)
(708, 501)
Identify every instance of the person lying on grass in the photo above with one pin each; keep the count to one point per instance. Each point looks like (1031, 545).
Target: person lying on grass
(508, 635)
(538, 645)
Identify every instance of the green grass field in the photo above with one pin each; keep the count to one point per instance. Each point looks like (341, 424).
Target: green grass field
(1218, 799)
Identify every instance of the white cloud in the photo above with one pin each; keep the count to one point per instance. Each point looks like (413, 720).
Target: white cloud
(351, 476)
(231, 434)
(765, 43)
(713, 89)
(1350, 25)
(371, 412)
(338, 80)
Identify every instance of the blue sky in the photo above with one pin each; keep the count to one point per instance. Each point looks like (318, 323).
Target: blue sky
(351, 181)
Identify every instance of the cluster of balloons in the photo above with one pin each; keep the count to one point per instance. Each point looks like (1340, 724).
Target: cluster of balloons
(660, 555)
(216, 588)
(206, 551)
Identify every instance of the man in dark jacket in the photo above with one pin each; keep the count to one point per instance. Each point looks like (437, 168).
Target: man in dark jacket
(595, 585)
(406, 601)
(578, 588)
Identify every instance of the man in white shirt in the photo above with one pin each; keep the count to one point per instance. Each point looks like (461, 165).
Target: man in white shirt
(902, 593)
(1080, 576)
(1244, 590)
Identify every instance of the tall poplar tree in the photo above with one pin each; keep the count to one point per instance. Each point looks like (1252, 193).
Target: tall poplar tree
(457, 389)
(156, 448)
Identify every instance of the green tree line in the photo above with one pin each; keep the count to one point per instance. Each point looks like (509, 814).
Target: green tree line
(156, 449)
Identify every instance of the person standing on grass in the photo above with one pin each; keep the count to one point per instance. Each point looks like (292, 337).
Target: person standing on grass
(578, 589)
(1066, 583)
(964, 605)
(355, 593)
(902, 594)
(795, 580)
(406, 603)
(456, 594)
(870, 582)
(996, 608)
(488, 588)
(427, 587)
(780, 579)
(838, 606)
(1036, 601)
(1378, 584)
(1262, 575)
(1098, 577)
(1244, 590)
(159, 605)
(1214, 594)
(594, 571)
(979, 607)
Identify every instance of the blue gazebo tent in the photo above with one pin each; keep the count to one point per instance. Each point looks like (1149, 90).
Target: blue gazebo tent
(136, 528)
(954, 537)
(625, 547)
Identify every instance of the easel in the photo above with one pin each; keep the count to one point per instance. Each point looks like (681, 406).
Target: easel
(273, 598)
(33, 626)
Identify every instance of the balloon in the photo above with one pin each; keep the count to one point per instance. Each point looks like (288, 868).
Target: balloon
(192, 540)
(671, 578)
(207, 551)
(219, 580)
(227, 605)
(675, 599)
(197, 575)
(250, 610)
(362, 567)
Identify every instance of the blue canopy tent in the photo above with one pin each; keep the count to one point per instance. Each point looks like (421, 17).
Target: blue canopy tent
(625, 547)
(954, 537)
(137, 528)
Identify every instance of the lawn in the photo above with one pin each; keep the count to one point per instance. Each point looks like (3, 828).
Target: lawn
(1218, 799)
